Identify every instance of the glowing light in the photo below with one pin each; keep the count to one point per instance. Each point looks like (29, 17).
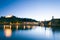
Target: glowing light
(16, 26)
(7, 26)
(8, 16)
(8, 32)
(49, 23)
(24, 26)
(28, 26)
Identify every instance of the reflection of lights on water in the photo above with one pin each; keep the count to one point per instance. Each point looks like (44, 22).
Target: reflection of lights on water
(7, 26)
(24, 26)
(28, 26)
(16, 26)
(8, 32)
(33, 27)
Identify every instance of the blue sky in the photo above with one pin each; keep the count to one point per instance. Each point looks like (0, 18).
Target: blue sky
(35, 9)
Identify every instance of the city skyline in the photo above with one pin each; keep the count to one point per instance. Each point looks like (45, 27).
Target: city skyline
(35, 9)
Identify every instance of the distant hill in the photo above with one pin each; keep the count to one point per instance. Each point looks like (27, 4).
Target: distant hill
(14, 19)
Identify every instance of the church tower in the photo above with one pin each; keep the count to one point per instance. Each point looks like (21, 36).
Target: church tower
(52, 17)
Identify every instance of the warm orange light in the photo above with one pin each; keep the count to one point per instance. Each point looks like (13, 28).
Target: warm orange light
(8, 32)
(24, 26)
(16, 26)
(28, 26)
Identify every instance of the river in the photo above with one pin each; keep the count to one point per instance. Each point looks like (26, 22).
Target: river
(35, 33)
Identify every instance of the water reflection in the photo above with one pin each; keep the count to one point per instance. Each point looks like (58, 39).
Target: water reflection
(29, 32)
(17, 27)
(49, 32)
(8, 29)
(7, 32)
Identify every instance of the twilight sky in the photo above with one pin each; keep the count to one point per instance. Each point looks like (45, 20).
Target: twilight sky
(35, 9)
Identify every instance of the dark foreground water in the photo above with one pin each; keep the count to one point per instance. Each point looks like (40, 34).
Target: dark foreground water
(36, 33)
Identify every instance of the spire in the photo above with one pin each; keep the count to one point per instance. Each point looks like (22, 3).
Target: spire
(52, 17)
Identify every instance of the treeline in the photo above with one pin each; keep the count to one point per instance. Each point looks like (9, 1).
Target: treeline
(14, 19)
